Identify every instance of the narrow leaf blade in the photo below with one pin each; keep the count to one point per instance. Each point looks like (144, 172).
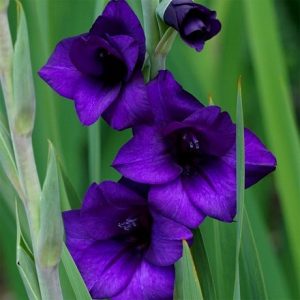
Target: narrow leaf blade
(74, 276)
(253, 276)
(203, 267)
(7, 159)
(240, 187)
(187, 282)
(26, 265)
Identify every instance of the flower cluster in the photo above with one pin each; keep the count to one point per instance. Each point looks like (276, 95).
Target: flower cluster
(178, 168)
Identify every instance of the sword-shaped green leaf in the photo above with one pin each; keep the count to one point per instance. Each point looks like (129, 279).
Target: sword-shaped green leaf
(240, 187)
(74, 276)
(252, 275)
(26, 265)
(278, 114)
(7, 159)
(203, 267)
(187, 282)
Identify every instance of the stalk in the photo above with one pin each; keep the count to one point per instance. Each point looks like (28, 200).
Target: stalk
(151, 30)
(24, 156)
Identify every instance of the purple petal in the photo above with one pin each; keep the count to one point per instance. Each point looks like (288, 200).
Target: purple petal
(172, 201)
(77, 239)
(107, 268)
(166, 241)
(73, 226)
(197, 44)
(145, 158)
(128, 49)
(84, 54)
(259, 161)
(131, 107)
(120, 12)
(215, 28)
(150, 283)
(193, 25)
(59, 72)
(217, 132)
(92, 98)
(107, 204)
(168, 100)
(213, 190)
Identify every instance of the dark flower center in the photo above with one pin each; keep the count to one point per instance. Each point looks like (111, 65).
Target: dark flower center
(136, 231)
(113, 69)
(185, 147)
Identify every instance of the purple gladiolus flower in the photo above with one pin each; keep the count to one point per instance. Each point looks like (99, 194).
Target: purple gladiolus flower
(101, 70)
(195, 23)
(188, 156)
(122, 248)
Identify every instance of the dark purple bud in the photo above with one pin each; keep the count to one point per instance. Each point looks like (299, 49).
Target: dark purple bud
(194, 22)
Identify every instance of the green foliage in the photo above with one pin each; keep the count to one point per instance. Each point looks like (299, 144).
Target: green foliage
(26, 265)
(7, 160)
(187, 285)
(240, 186)
(279, 117)
(202, 266)
(74, 277)
(24, 95)
(250, 44)
(252, 277)
(50, 238)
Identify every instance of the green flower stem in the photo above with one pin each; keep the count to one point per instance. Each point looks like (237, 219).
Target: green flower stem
(23, 150)
(151, 29)
(162, 50)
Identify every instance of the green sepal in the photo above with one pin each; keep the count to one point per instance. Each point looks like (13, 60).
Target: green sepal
(51, 232)
(162, 7)
(24, 95)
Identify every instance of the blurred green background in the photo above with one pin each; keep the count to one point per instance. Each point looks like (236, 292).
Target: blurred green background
(260, 41)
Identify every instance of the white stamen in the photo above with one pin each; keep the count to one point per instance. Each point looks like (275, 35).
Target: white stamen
(128, 224)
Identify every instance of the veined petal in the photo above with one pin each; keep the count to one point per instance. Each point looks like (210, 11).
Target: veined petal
(92, 98)
(168, 100)
(59, 72)
(213, 190)
(102, 267)
(145, 158)
(166, 241)
(259, 161)
(131, 107)
(150, 282)
(172, 201)
(77, 238)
